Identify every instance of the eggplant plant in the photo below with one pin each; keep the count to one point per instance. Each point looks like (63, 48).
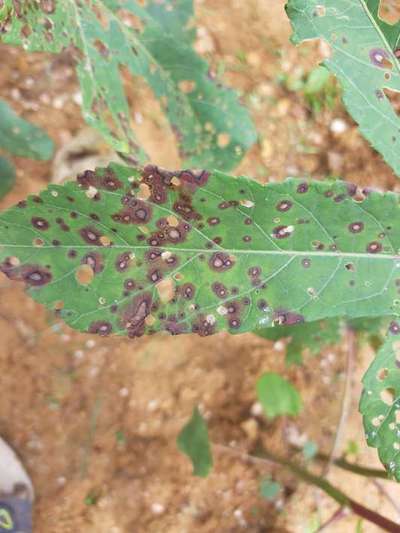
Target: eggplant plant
(139, 250)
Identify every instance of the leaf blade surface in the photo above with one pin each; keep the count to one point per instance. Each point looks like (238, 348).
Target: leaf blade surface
(202, 252)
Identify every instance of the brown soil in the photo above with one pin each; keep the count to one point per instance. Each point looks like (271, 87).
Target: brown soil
(94, 420)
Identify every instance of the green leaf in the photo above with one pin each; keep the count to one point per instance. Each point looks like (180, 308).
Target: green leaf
(269, 489)
(193, 441)
(363, 58)
(7, 176)
(313, 336)
(317, 81)
(22, 138)
(320, 89)
(380, 402)
(277, 396)
(212, 127)
(131, 251)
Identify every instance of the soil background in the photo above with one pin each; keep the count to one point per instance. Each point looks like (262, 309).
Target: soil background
(95, 420)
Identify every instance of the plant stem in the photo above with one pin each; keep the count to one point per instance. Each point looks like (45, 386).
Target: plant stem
(340, 497)
(355, 468)
(336, 494)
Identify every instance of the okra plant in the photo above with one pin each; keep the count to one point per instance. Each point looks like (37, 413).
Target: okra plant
(137, 250)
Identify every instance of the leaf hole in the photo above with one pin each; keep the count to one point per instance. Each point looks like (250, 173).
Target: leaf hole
(105, 241)
(172, 221)
(223, 140)
(359, 196)
(130, 20)
(144, 191)
(58, 305)
(388, 395)
(382, 374)
(388, 12)
(394, 99)
(14, 261)
(150, 320)
(377, 421)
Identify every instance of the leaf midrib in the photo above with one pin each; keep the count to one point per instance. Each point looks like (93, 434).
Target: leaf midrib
(339, 255)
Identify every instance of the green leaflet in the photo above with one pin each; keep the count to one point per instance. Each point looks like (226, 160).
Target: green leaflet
(364, 50)
(277, 396)
(132, 251)
(212, 127)
(7, 176)
(380, 402)
(313, 336)
(21, 138)
(193, 441)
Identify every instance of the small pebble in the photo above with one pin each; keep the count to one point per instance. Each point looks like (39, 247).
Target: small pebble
(79, 354)
(338, 126)
(256, 409)
(157, 508)
(77, 98)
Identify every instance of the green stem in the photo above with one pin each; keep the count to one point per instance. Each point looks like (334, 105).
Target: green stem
(341, 462)
(336, 494)
(354, 468)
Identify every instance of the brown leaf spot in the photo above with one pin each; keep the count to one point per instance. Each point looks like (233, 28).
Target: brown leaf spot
(374, 247)
(95, 261)
(91, 235)
(287, 318)
(356, 227)
(40, 223)
(100, 327)
(220, 262)
(134, 315)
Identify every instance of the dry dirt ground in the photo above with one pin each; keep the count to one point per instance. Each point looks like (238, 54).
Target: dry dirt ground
(96, 420)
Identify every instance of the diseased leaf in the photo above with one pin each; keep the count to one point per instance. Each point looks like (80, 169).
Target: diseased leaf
(7, 176)
(193, 441)
(132, 251)
(277, 396)
(365, 58)
(313, 336)
(212, 127)
(21, 138)
(380, 402)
